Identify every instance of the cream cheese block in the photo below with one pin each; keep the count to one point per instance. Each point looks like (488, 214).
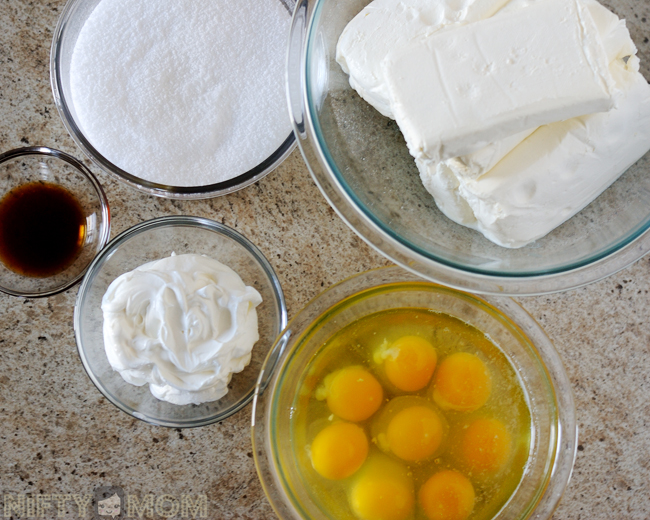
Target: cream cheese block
(457, 90)
(617, 44)
(385, 25)
(552, 174)
(519, 196)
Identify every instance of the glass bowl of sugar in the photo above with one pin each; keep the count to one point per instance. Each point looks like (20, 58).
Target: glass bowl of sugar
(361, 162)
(182, 100)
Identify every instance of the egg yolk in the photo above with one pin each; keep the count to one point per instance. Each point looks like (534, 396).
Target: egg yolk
(415, 433)
(410, 362)
(462, 383)
(353, 393)
(447, 495)
(486, 445)
(383, 492)
(339, 450)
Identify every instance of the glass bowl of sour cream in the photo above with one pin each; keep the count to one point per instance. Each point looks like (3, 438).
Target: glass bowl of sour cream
(361, 162)
(174, 319)
(302, 399)
(178, 100)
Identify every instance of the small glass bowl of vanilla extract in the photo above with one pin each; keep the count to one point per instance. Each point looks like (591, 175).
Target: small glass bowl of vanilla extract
(54, 219)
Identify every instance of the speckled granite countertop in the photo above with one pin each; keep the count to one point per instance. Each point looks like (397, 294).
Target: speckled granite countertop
(59, 436)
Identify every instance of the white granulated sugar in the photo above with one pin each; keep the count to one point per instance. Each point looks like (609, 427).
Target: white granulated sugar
(183, 92)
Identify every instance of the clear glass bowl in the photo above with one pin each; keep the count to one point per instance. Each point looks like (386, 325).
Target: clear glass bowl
(72, 19)
(360, 161)
(153, 240)
(542, 375)
(40, 164)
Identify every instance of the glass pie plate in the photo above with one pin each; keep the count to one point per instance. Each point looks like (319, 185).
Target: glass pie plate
(361, 164)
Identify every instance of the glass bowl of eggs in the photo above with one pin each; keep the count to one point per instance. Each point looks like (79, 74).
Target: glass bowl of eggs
(358, 156)
(388, 397)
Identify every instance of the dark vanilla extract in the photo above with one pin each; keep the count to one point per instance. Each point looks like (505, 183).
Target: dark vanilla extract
(42, 229)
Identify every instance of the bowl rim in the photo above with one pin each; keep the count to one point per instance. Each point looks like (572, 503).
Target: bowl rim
(315, 151)
(143, 227)
(105, 230)
(152, 188)
(566, 440)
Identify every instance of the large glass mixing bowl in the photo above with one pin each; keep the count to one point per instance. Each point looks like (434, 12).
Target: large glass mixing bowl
(525, 345)
(361, 163)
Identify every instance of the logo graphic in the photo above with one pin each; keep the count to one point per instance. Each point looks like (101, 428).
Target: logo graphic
(110, 507)
(108, 503)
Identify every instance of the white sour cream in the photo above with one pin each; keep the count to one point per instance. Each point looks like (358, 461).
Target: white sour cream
(183, 324)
